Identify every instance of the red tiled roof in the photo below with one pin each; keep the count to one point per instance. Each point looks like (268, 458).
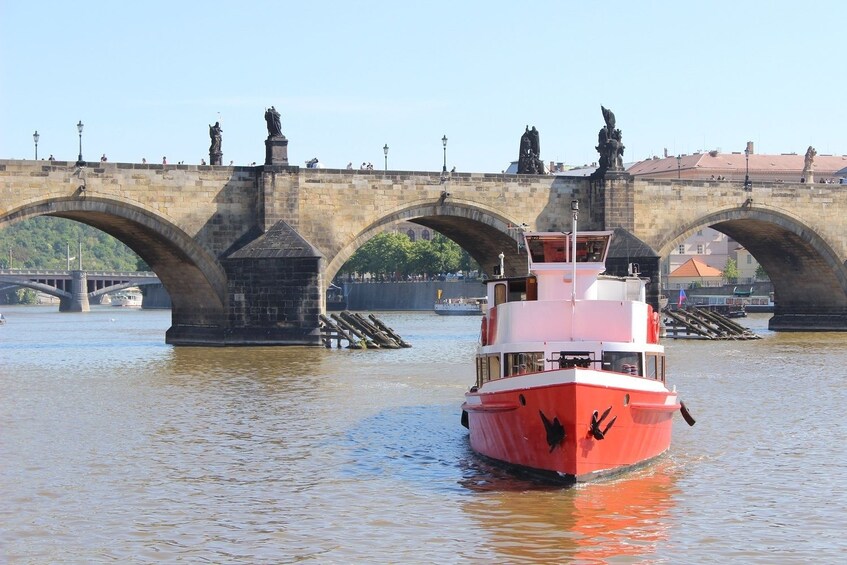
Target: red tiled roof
(824, 165)
(695, 268)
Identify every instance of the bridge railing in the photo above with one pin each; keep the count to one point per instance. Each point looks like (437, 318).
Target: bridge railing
(59, 272)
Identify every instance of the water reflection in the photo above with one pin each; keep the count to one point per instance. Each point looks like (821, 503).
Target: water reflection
(625, 517)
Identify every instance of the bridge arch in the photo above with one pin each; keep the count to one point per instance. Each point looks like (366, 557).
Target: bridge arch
(193, 277)
(483, 233)
(807, 273)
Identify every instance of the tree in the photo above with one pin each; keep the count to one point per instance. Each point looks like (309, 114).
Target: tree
(761, 274)
(730, 270)
(391, 253)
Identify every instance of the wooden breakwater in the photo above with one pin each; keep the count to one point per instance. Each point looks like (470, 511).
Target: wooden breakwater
(698, 323)
(359, 332)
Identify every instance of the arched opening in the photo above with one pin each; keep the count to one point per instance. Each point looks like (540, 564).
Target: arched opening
(191, 275)
(480, 235)
(809, 279)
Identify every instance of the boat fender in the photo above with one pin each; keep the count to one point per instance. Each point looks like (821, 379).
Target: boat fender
(686, 415)
(464, 419)
(483, 332)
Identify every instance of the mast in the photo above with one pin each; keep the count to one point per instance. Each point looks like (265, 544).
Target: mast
(575, 210)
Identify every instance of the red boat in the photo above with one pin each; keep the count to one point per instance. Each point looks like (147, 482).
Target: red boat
(570, 375)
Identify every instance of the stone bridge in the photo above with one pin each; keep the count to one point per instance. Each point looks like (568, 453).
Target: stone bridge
(246, 252)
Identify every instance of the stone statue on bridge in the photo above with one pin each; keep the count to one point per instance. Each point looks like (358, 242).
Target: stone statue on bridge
(215, 154)
(809, 165)
(274, 124)
(529, 157)
(609, 146)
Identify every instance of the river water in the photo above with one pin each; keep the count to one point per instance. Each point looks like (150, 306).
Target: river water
(115, 447)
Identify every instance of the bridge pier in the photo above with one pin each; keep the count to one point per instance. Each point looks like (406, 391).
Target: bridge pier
(78, 301)
(273, 295)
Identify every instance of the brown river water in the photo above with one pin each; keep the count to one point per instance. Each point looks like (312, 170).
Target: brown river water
(115, 447)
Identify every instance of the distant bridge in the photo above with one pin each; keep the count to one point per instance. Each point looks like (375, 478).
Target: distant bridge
(76, 289)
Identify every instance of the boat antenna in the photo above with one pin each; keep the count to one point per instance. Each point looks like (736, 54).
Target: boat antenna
(575, 211)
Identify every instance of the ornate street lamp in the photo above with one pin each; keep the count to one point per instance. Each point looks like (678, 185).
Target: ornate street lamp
(444, 143)
(385, 151)
(80, 162)
(679, 166)
(35, 137)
(746, 168)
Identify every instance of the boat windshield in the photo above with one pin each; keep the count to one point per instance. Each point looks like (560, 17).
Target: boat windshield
(555, 248)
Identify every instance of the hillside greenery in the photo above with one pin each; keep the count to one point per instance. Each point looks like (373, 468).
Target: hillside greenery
(44, 242)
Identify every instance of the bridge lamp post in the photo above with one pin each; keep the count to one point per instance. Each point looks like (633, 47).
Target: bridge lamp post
(35, 137)
(679, 166)
(444, 143)
(746, 168)
(385, 152)
(80, 162)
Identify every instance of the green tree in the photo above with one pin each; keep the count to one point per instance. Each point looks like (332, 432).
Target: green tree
(761, 274)
(730, 270)
(390, 253)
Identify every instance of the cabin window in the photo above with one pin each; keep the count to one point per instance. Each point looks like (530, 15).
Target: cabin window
(522, 363)
(652, 371)
(628, 362)
(493, 367)
(500, 290)
(590, 249)
(487, 369)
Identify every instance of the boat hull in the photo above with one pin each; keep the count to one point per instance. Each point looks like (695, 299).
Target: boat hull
(543, 422)
(458, 312)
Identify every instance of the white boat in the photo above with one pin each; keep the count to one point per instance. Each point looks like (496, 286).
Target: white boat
(2, 319)
(130, 299)
(461, 306)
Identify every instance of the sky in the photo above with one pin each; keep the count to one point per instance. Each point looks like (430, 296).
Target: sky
(147, 79)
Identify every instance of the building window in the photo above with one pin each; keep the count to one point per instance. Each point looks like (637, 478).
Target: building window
(411, 234)
(681, 250)
(425, 235)
(699, 232)
(700, 249)
(749, 259)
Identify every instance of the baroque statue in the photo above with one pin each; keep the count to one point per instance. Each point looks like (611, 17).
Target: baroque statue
(215, 154)
(809, 165)
(273, 120)
(609, 144)
(529, 160)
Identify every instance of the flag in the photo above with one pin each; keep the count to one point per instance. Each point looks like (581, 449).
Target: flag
(681, 297)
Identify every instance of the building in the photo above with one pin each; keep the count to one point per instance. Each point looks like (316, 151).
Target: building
(733, 167)
(694, 273)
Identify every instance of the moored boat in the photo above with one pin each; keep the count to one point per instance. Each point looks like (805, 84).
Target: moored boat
(570, 377)
(461, 306)
(128, 299)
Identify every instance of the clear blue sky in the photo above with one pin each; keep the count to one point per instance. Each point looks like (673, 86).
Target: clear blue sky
(147, 78)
